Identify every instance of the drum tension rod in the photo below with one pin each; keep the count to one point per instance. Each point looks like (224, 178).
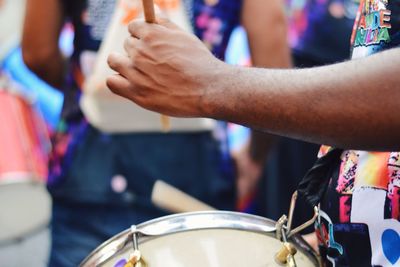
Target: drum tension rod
(288, 224)
(285, 255)
(135, 237)
(136, 259)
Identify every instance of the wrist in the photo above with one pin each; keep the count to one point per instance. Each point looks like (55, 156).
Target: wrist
(215, 98)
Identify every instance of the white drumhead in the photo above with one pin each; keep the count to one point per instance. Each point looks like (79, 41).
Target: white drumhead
(24, 208)
(198, 239)
(212, 248)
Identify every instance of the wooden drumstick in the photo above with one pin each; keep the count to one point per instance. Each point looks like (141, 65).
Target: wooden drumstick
(172, 199)
(148, 9)
(150, 17)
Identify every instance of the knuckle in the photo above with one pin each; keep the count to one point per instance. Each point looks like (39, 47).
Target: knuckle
(111, 61)
(133, 26)
(110, 85)
(148, 37)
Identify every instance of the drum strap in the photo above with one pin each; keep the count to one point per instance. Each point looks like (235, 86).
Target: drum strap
(315, 183)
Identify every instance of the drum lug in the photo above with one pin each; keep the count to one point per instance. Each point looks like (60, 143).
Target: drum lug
(290, 262)
(280, 227)
(136, 259)
(284, 231)
(285, 255)
(135, 237)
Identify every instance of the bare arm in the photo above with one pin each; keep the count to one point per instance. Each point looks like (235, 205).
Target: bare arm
(40, 50)
(348, 105)
(266, 28)
(265, 25)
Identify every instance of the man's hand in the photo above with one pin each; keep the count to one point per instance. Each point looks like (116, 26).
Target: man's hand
(172, 72)
(164, 65)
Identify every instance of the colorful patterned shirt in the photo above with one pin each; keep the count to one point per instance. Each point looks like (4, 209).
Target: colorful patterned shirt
(362, 227)
(321, 29)
(214, 21)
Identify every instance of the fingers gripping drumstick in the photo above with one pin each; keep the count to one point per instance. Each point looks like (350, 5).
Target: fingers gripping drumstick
(164, 195)
(150, 17)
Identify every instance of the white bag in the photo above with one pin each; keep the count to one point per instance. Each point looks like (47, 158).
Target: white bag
(111, 113)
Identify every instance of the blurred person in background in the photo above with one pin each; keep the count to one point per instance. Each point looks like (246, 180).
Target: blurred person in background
(101, 183)
(319, 34)
(268, 48)
(24, 201)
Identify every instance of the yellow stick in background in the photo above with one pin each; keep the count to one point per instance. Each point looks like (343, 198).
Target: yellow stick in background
(172, 199)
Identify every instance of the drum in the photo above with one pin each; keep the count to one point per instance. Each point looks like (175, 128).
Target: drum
(198, 239)
(24, 201)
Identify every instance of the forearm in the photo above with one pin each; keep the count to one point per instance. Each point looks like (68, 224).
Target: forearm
(50, 68)
(268, 49)
(41, 53)
(266, 28)
(347, 105)
(304, 103)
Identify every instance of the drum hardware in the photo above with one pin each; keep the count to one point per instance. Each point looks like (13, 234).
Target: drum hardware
(285, 256)
(136, 259)
(291, 210)
(178, 239)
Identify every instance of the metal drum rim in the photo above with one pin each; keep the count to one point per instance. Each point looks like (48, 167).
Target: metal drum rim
(266, 226)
